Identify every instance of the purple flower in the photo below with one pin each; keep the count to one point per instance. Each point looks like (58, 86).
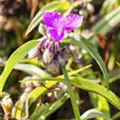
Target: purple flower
(60, 25)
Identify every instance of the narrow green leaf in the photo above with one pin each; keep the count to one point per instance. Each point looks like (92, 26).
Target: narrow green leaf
(55, 5)
(17, 110)
(94, 113)
(80, 83)
(107, 22)
(116, 116)
(100, 103)
(109, 5)
(71, 93)
(118, 64)
(96, 88)
(59, 77)
(91, 49)
(16, 57)
(20, 110)
(114, 76)
(30, 69)
(39, 91)
(103, 105)
(52, 108)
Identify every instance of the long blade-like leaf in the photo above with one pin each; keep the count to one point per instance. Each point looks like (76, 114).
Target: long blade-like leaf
(91, 49)
(108, 22)
(16, 57)
(55, 5)
(94, 113)
(80, 83)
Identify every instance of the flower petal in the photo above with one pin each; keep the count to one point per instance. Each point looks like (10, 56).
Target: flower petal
(52, 19)
(73, 21)
(58, 34)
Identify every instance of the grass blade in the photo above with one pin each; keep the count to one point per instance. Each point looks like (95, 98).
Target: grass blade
(91, 49)
(16, 57)
(72, 96)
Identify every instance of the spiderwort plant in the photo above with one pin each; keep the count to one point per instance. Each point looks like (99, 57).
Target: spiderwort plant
(49, 50)
(59, 27)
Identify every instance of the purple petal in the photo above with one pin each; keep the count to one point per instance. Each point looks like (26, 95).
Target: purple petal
(52, 19)
(73, 21)
(58, 34)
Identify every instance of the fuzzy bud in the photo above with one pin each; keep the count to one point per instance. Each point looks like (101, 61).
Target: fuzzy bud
(84, 13)
(62, 58)
(74, 52)
(33, 53)
(90, 8)
(62, 86)
(42, 29)
(48, 56)
(54, 67)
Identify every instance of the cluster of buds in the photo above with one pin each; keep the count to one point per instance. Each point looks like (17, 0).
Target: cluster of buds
(52, 55)
(83, 7)
(86, 10)
(49, 53)
(21, 103)
(29, 86)
(54, 94)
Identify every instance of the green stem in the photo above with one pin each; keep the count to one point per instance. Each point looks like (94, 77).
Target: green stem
(116, 116)
(72, 96)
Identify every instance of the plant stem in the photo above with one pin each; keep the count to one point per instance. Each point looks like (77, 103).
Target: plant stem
(72, 96)
(117, 115)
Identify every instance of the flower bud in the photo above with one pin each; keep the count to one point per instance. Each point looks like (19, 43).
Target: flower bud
(54, 67)
(48, 56)
(42, 29)
(62, 58)
(74, 52)
(84, 13)
(93, 19)
(50, 94)
(7, 104)
(33, 53)
(90, 8)
(62, 86)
